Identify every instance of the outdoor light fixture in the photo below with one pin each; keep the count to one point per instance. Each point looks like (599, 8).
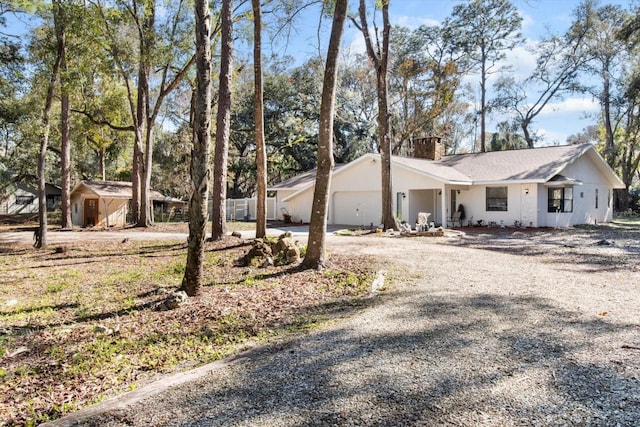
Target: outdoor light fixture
(458, 191)
(526, 191)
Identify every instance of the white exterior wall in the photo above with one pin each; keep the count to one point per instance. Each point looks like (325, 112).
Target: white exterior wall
(362, 184)
(584, 198)
(300, 207)
(474, 201)
(10, 207)
(280, 196)
(355, 196)
(422, 195)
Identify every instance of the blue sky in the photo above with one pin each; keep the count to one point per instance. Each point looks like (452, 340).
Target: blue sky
(555, 124)
(559, 120)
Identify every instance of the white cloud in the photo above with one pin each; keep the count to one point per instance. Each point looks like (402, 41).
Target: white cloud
(527, 21)
(572, 106)
(551, 137)
(521, 60)
(414, 22)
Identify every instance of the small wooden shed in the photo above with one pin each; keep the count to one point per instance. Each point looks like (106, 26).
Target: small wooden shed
(103, 203)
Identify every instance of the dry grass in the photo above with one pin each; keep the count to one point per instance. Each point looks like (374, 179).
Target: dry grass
(80, 324)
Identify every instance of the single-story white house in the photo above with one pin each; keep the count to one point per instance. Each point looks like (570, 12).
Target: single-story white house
(558, 186)
(24, 199)
(103, 203)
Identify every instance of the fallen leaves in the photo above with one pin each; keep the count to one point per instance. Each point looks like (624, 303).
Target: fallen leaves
(84, 326)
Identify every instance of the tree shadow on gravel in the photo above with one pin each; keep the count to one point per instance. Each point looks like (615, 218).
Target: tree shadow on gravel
(602, 249)
(431, 360)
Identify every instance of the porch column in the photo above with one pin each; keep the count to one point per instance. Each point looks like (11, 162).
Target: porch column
(443, 206)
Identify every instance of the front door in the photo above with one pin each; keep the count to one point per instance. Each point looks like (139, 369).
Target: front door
(90, 212)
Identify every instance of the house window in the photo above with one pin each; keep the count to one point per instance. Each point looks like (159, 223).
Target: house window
(560, 199)
(24, 200)
(596, 198)
(497, 198)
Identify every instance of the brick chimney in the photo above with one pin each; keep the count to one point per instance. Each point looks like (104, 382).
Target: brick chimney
(429, 147)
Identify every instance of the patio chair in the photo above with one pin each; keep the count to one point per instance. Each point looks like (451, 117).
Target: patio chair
(451, 222)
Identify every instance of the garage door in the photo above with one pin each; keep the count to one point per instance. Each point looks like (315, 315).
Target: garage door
(360, 208)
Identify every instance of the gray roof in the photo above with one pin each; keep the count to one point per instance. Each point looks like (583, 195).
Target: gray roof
(114, 189)
(436, 170)
(302, 180)
(534, 164)
(527, 165)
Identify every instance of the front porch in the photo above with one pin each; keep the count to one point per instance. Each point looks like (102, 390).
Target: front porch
(440, 203)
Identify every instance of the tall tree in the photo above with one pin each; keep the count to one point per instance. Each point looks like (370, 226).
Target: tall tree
(65, 143)
(223, 125)
(45, 126)
(628, 141)
(485, 30)
(160, 64)
(315, 256)
(557, 64)
(608, 57)
(261, 152)
(379, 56)
(423, 80)
(192, 280)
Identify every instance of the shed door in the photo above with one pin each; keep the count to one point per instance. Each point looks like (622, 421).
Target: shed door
(361, 208)
(90, 212)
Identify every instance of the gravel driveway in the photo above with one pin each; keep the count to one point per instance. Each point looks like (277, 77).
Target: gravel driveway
(495, 329)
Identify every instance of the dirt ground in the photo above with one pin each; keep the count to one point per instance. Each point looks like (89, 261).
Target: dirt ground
(495, 327)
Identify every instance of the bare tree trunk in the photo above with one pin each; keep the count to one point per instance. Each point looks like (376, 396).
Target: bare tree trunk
(483, 106)
(609, 144)
(383, 121)
(136, 174)
(380, 59)
(258, 113)
(144, 71)
(315, 257)
(223, 125)
(65, 146)
(192, 280)
(102, 154)
(524, 125)
(41, 234)
(146, 204)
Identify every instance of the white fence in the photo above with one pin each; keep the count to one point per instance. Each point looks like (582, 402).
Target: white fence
(245, 209)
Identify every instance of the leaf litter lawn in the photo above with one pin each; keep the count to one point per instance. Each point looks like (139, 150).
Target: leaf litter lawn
(82, 325)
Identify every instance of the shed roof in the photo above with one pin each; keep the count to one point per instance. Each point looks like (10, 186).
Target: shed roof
(112, 189)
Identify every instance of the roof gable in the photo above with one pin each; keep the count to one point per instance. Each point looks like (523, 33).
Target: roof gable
(302, 180)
